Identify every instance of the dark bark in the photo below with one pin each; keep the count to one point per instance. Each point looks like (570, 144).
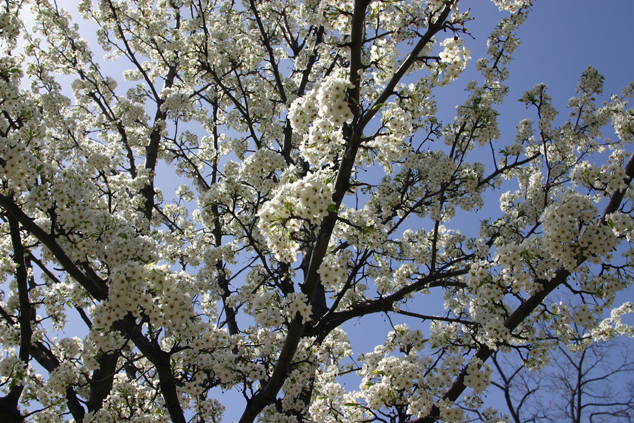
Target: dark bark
(102, 379)
(9, 412)
(95, 286)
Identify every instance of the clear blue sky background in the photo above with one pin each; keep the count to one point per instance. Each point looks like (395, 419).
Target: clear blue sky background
(560, 39)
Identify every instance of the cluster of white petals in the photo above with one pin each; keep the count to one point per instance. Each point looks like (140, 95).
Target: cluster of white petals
(319, 116)
(453, 60)
(294, 208)
(570, 227)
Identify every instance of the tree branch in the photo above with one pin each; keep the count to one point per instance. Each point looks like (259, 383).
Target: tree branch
(94, 285)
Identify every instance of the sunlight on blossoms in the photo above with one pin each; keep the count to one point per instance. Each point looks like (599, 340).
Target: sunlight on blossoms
(314, 211)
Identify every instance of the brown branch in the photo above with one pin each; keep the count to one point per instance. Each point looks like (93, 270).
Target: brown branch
(357, 35)
(381, 305)
(93, 284)
(435, 318)
(151, 150)
(24, 318)
(161, 361)
(102, 380)
(266, 41)
(407, 64)
(21, 276)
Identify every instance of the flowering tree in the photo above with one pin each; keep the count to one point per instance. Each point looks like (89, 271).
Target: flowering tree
(321, 188)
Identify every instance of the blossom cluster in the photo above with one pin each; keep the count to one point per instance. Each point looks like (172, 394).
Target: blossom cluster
(295, 207)
(570, 226)
(476, 378)
(453, 60)
(319, 116)
(262, 163)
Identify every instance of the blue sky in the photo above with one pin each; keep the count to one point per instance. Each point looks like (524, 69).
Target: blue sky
(559, 40)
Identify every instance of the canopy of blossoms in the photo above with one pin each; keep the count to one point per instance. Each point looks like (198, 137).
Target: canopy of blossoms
(318, 188)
